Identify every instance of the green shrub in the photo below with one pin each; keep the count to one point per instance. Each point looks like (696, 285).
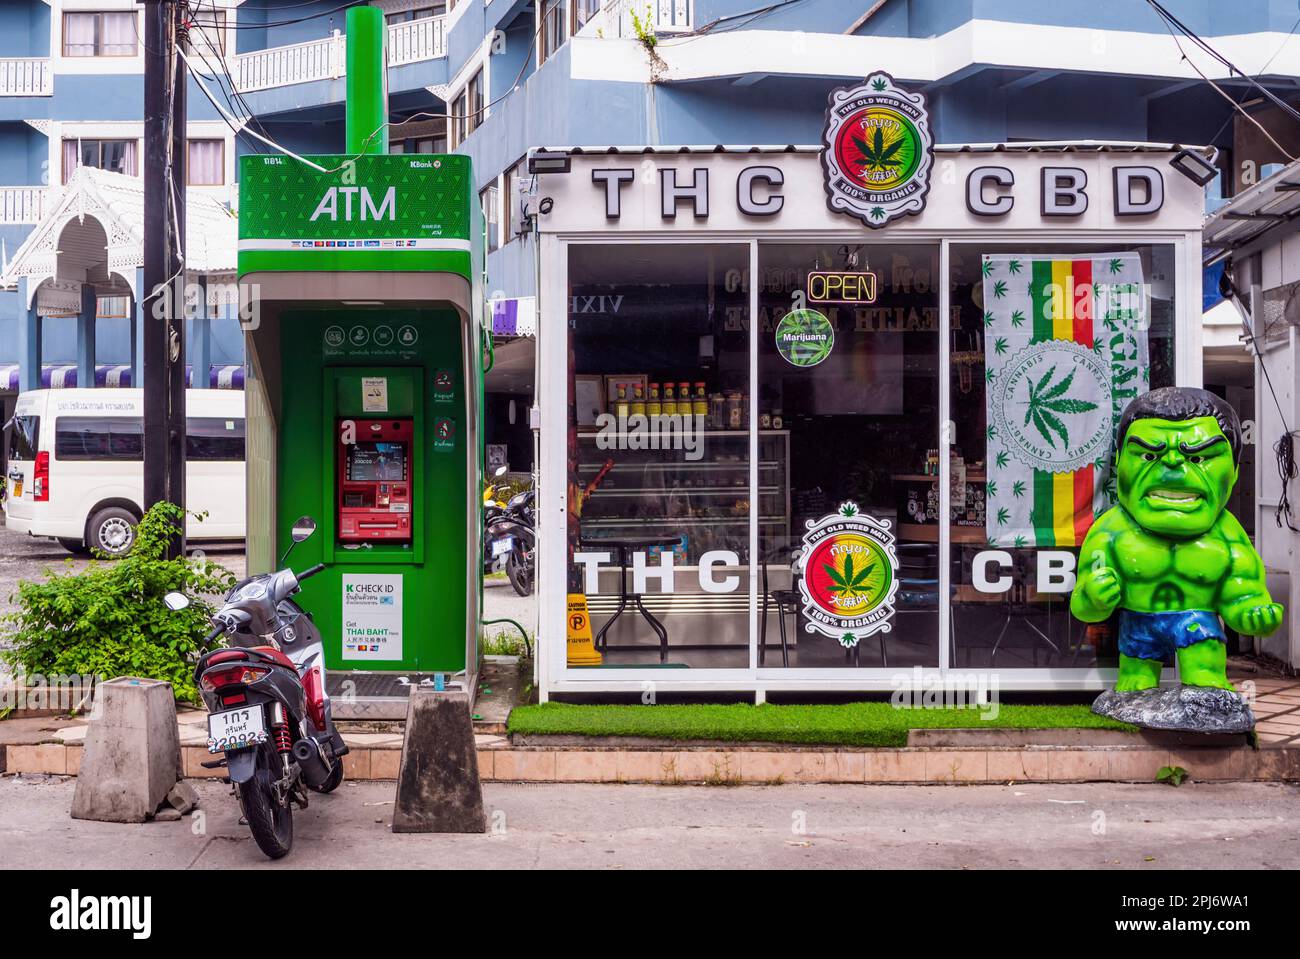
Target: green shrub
(110, 620)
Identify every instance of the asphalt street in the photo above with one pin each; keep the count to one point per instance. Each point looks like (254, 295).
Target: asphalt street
(1086, 826)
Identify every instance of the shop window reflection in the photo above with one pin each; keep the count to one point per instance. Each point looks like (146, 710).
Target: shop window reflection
(1029, 466)
(861, 420)
(659, 452)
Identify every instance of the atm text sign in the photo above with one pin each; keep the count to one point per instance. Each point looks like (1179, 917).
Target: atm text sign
(827, 287)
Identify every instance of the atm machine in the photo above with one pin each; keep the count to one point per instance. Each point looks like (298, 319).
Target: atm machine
(360, 274)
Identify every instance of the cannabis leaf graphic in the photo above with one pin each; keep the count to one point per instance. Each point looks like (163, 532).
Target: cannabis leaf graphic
(878, 84)
(1018, 318)
(1115, 265)
(1004, 514)
(988, 319)
(1002, 460)
(992, 489)
(877, 212)
(1000, 345)
(992, 431)
(1047, 400)
(986, 267)
(1000, 289)
(1018, 488)
(848, 509)
(877, 155)
(1014, 266)
(849, 583)
(1021, 542)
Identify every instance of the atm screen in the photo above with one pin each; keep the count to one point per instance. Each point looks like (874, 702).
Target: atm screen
(376, 462)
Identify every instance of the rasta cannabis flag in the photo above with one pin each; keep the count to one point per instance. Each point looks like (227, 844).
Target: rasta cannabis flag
(1065, 350)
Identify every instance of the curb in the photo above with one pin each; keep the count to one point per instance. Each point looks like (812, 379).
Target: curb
(756, 764)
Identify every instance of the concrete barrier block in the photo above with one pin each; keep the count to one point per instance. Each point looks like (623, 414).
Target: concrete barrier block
(438, 788)
(132, 754)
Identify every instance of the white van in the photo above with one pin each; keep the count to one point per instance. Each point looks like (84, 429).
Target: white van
(76, 466)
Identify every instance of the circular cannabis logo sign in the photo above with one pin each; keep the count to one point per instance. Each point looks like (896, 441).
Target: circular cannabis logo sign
(804, 337)
(877, 151)
(1051, 404)
(849, 579)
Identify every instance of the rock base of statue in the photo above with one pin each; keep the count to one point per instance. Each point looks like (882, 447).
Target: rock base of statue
(1197, 709)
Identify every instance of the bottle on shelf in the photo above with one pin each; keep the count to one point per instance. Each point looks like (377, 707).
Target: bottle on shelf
(700, 407)
(670, 400)
(621, 407)
(653, 407)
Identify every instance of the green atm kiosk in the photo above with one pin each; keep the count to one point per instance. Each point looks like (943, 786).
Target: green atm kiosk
(360, 276)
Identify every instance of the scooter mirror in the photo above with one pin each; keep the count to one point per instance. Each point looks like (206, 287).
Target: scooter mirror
(176, 601)
(303, 527)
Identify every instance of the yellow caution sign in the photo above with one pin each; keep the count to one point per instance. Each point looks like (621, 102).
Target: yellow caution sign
(581, 650)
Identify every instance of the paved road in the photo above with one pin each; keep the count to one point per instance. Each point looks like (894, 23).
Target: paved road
(1095, 826)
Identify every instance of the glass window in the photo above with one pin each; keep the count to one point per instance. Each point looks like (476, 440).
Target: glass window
(116, 156)
(98, 438)
(207, 36)
(418, 13)
(583, 11)
(490, 197)
(1050, 343)
(206, 163)
(552, 30)
(103, 34)
(474, 102)
(113, 307)
(850, 387)
(658, 451)
(214, 438)
(24, 438)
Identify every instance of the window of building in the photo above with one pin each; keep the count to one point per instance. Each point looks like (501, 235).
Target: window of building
(474, 102)
(430, 144)
(552, 29)
(110, 33)
(116, 156)
(206, 163)
(490, 198)
(1029, 473)
(459, 113)
(583, 12)
(509, 198)
(207, 35)
(418, 13)
(113, 307)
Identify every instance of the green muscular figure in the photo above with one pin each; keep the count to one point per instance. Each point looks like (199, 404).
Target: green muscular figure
(1169, 556)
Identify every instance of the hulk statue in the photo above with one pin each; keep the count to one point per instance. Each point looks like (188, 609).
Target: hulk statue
(1172, 560)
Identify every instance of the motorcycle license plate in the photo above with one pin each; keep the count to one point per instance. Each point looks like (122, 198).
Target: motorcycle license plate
(236, 729)
(502, 546)
(18, 488)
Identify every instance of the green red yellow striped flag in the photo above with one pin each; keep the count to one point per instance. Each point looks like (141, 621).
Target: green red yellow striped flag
(1065, 350)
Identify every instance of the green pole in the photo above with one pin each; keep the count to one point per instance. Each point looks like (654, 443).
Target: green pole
(367, 89)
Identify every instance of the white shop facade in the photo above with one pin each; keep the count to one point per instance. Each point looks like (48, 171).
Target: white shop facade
(892, 438)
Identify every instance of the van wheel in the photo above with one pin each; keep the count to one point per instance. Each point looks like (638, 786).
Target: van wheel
(74, 546)
(112, 531)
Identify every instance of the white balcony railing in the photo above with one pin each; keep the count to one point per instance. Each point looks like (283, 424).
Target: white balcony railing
(26, 77)
(326, 59)
(615, 19)
(21, 204)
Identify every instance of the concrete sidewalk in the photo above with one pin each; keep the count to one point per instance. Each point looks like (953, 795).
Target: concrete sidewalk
(1100, 826)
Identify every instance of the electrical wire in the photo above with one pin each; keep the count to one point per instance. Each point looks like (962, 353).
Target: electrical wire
(289, 23)
(1259, 73)
(1221, 92)
(250, 116)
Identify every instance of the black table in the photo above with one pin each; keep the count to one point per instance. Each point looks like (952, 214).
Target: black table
(625, 546)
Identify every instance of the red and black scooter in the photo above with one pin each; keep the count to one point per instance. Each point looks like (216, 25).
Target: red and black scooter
(268, 711)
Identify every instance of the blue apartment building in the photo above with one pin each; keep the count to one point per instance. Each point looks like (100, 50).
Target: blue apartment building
(496, 79)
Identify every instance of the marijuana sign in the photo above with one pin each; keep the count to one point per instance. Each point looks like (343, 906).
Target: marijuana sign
(804, 337)
(876, 151)
(848, 576)
(1065, 350)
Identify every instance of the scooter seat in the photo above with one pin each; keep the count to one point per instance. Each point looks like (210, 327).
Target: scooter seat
(273, 654)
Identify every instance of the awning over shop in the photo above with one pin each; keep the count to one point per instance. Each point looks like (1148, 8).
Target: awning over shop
(64, 376)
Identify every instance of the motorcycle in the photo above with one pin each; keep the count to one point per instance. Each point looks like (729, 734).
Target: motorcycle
(513, 534)
(493, 509)
(268, 711)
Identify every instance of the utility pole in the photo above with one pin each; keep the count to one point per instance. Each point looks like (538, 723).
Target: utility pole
(164, 265)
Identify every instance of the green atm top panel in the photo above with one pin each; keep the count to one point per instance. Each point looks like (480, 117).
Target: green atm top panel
(374, 213)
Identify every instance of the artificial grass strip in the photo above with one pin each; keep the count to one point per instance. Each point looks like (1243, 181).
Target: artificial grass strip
(843, 724)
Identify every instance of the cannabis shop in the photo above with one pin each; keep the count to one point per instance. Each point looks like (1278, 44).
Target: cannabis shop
(837, 417)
